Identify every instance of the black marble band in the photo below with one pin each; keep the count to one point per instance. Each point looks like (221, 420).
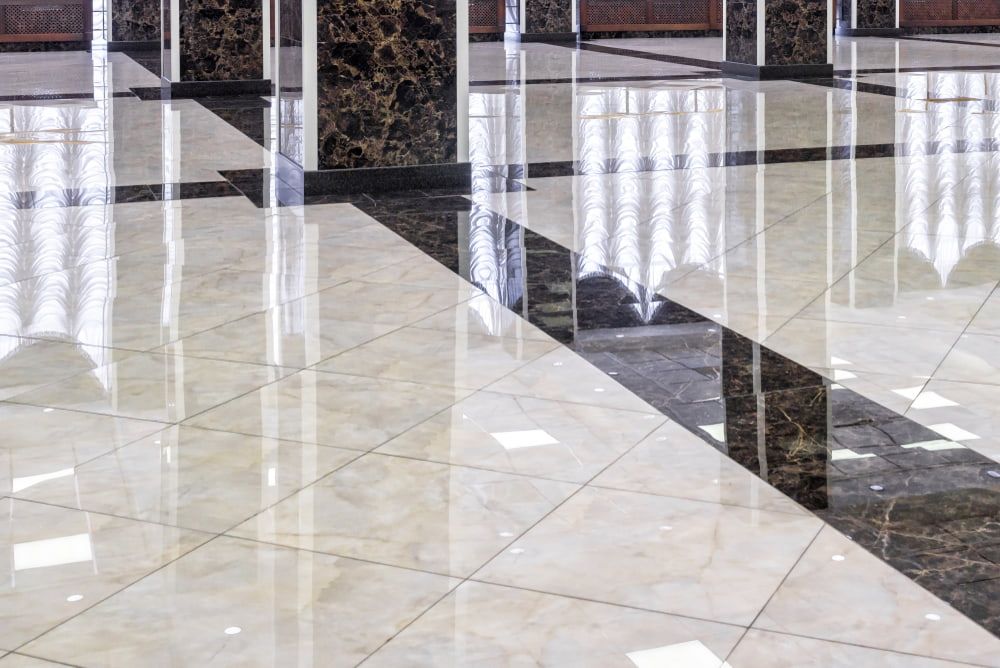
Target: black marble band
(549, 36)
(773, 72)
(145, 192)
(869, 32)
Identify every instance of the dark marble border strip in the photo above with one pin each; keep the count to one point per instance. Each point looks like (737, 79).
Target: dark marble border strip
(148, 192)
(645, 55)
(744, 158)
(851, 84)
(42, 97)
(617, 79)
(922, 504)
(993, 45)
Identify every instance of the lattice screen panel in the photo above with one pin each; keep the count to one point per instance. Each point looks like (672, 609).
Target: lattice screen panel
(615, 12)
(43, 19)
(483, 14)
(925, 10)
(681, 12)
(978, 9)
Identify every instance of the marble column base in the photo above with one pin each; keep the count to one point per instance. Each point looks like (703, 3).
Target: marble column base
(126, 45)
(549, 36)
(310, 183)
(821, 71)
(191, 89)
(869, 32)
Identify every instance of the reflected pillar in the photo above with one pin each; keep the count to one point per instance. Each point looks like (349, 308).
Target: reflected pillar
(213, 48)
(778, 39)
(548, 21)
(384, 98)
(868, 18)
(135, 25)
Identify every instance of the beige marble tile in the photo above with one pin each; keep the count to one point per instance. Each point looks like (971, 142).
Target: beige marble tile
(22, 661)
(776, 650)
(439, 358)
(27, 364)
(191, 478)
(167, 388)
(486, 625)
(240, 603)
(404, 512)
(419, 270)
(332, 409)
(536, 437)
(872, 605)
(54, 555)
(562, 375)
(672, 555)
(674, 462)
(973, 359)
(389, 304)
(483, 315)
(295, 335)
(40, 444)
(825, 345)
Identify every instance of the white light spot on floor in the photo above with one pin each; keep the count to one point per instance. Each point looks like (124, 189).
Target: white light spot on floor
(691, 654)
(954, 432)
(73, 598)
(532, 438)
(931, 400)
(838, 557)
(933, 616)
(232, 630)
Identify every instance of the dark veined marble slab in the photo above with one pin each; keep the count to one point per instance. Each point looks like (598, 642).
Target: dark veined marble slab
(927, 506)
(147, 192)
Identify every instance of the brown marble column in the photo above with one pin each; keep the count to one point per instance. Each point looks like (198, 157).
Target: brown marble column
(135, 24)
(213, 47)
(548, 21)
(874, 18)
(778, 39)
(379, 98)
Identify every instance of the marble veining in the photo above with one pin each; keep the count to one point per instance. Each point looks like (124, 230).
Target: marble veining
(741, 31)
(394, 66)
(548, 16)
(796, 32)
(876, 14)
(221, 40)
(135, 20)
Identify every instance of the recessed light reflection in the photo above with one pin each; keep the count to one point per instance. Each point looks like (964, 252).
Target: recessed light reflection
(598, 389)
(876, 488)
(933, 616)
(232, 630)
(506, 534)
(47, 410)
(73, 598)
(838, 557)
(517, 550)
(666, 527)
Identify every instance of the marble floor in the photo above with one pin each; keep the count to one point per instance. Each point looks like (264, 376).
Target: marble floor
(702, 373)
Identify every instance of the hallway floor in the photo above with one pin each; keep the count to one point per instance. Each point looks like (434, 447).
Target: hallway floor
(703, 373)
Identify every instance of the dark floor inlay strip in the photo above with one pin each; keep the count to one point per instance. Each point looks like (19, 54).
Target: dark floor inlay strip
(42, 97)
(696, 76)
(924, 505)
(147, 192)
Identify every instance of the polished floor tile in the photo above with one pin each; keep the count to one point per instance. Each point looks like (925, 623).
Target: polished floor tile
(166, 388)
(60, 562)
(835, 575)
(331, 409)
(674, 462)
(761, 648)
(41, 444)
(482, 315)
(426, 356)
(535, 437)
(415, 514)
(191, 478)
(685, 557)
(563, 376)
(972, 360)
(235, 602)
(486, 625)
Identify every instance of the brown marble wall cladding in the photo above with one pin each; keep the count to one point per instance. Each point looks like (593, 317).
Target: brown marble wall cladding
(135, 20)
(221, 40)
(741, 31)
(876, 14)
(386, 75)
(548, 16)
(796, 32)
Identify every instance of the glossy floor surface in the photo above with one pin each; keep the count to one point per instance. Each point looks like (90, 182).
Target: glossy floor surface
(702, 373)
